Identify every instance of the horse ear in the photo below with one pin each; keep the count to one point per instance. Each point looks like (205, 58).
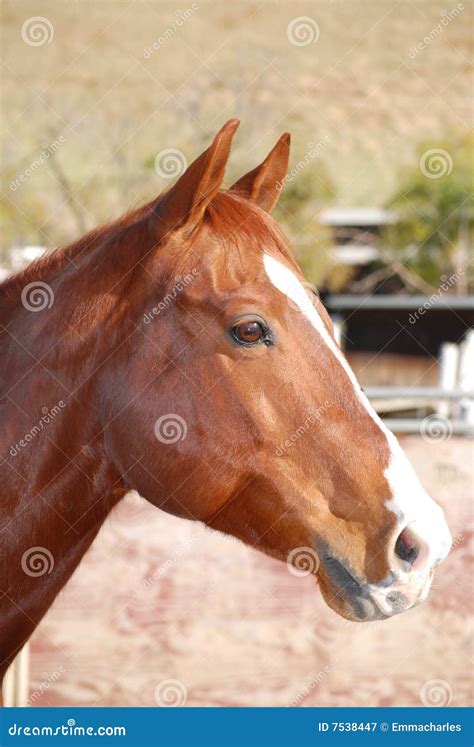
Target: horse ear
(186, 202)
(263, 184)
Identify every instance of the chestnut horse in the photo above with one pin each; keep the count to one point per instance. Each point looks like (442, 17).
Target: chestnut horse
(178, 352)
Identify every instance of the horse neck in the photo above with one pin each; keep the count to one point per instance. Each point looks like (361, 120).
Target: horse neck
(52, 513)
(57, 482)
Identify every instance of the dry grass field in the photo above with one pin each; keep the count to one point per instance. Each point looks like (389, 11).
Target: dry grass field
(120, 80)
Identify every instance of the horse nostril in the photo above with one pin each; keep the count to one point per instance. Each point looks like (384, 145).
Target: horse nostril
(407, 547)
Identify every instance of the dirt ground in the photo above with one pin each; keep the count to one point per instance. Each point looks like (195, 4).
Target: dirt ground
(159, 599)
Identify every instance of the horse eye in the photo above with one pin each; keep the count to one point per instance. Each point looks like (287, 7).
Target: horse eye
(249, 333)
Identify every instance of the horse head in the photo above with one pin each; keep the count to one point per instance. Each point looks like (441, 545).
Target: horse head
(244, 411)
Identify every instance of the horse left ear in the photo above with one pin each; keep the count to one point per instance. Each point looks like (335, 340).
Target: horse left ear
(185, 203)
(263, 184)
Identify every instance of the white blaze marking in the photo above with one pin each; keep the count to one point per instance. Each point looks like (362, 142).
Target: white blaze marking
(409, 501)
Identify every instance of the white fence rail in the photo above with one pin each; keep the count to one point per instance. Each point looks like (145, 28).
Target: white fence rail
(452, 400)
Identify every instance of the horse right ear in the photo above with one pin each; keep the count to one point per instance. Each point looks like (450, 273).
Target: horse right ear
(263, 184)
(184, 205)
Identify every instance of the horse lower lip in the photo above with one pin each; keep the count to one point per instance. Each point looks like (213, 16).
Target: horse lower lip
(350, 590)
(343, 578)
(361, 600)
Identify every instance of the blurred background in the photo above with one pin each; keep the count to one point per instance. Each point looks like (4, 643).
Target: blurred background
(104, 103)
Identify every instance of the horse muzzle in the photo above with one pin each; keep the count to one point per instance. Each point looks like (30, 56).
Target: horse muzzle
(413, 552)
(358, 600)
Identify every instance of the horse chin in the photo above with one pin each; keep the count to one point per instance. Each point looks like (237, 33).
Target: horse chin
(359, 602)
(351, 602)
(356, 609)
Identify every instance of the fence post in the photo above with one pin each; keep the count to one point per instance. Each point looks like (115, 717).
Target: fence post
(448, 375)
(16, 685)
(466, 377)
(339, 326)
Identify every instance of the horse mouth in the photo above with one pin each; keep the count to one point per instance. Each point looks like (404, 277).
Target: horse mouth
(357, 601)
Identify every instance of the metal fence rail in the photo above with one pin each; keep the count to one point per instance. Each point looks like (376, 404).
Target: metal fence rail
(428, 392)
(409, 425)
(451, 402)
(455, 407)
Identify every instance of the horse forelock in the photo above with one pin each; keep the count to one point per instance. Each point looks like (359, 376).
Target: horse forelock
(235, 219)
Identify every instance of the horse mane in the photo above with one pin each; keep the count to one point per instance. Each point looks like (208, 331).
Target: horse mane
(237, 220)
(231, 215)
(58, 258)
